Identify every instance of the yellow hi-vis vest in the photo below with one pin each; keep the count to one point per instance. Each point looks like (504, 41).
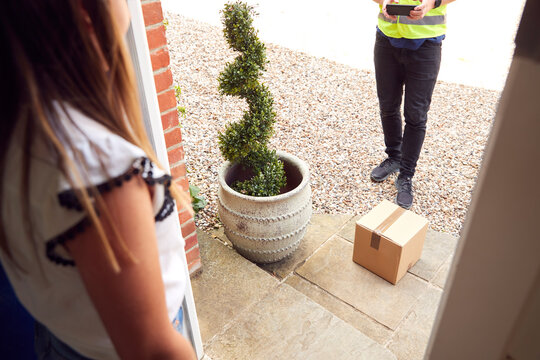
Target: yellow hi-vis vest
(431, 25)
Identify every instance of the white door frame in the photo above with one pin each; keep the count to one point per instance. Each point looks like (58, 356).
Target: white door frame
(140, 54)
(485, 311)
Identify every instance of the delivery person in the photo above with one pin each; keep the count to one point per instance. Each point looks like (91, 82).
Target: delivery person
(407, 57)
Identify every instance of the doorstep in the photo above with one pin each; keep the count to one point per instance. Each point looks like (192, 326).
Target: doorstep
(317, 303)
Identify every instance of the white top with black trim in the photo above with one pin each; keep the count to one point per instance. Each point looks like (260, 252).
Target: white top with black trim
(49, 285)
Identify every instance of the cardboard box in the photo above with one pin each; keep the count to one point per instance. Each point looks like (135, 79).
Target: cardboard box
(388, 240)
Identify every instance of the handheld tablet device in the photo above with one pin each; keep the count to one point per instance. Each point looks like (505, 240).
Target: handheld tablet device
(396, 9)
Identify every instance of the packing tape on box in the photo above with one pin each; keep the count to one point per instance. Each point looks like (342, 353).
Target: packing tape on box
(377, 233)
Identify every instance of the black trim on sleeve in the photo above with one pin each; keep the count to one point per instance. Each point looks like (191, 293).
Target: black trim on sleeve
(61, 240)
(68, 199)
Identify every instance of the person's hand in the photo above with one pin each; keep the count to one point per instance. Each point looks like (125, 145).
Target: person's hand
(386, 2)
(421, 10)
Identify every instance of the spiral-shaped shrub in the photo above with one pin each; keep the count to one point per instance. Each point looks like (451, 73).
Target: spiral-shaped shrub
(246, 141)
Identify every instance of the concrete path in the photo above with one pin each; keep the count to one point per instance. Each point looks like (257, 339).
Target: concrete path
(318, 304)
(477, 51)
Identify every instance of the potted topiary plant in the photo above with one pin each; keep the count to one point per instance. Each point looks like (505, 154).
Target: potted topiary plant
(264, 195)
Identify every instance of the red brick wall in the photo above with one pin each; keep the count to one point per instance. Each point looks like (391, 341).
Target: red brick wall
(159, 54)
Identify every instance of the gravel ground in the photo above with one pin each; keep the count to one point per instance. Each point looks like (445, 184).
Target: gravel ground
(327, 115)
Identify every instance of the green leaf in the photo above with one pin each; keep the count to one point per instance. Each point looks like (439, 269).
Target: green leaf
(198, 202)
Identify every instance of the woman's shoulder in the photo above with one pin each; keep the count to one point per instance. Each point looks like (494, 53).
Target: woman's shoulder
(98, 152)
(98, 159)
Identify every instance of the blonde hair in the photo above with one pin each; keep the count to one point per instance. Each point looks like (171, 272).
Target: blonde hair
(57, 62)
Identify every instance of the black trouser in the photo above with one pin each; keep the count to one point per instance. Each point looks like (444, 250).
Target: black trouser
(417, 70)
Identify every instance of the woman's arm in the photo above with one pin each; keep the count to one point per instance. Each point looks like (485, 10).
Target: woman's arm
(131, 303)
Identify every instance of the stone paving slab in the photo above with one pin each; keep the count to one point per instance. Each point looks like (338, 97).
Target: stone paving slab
(347, 231)
(346, 312)
(332, 269)
(220, 234)
(288, 325)
(411, 339)
(438, 247)
(442, 274)
(227, 285)
(328, 307)
(321, 227)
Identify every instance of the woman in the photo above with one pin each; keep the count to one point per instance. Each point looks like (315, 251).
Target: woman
(86, 235)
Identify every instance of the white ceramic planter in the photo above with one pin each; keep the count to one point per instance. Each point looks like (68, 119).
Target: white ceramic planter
(266, 229)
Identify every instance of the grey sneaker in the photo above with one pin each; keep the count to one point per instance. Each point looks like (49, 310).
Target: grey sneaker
(404, 196)
(384, 170)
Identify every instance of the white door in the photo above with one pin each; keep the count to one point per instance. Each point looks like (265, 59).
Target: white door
(491, 306)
